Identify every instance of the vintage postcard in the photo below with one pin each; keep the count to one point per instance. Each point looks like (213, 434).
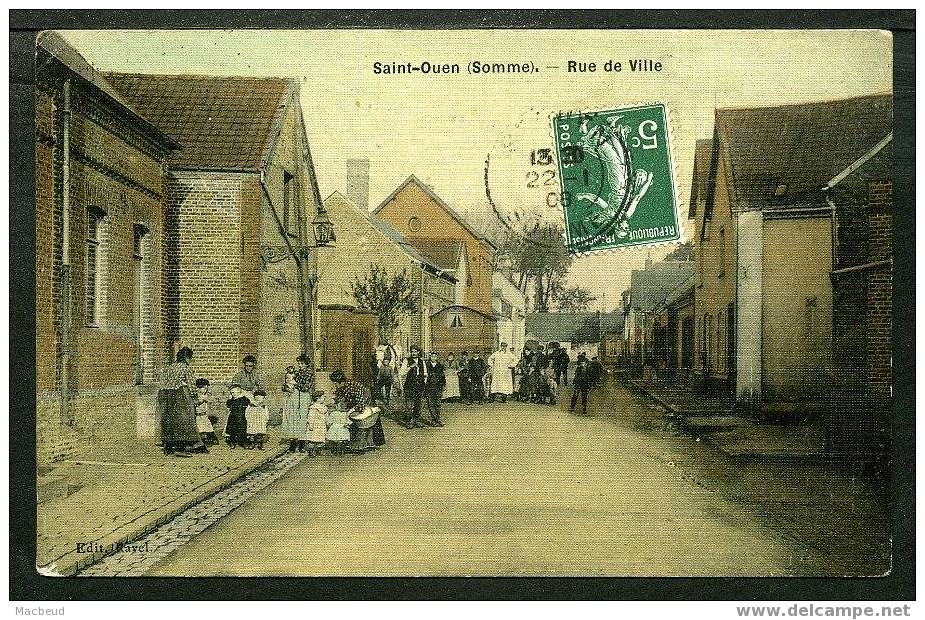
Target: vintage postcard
(496, 302)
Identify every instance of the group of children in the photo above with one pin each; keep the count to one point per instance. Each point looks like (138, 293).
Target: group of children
(248, 416)
(328, 421)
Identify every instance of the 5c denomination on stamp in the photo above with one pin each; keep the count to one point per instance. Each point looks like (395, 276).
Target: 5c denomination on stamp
(617, 178)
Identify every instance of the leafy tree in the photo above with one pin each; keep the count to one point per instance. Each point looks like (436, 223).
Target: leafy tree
(387, 295)
(575, 299)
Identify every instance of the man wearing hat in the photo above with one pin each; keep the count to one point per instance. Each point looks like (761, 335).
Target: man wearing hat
(415, 373)
(436, 382)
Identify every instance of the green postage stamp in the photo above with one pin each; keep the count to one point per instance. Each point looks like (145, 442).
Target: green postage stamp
(617, 178)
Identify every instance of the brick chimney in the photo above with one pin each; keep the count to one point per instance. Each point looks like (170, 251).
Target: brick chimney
(358, 182)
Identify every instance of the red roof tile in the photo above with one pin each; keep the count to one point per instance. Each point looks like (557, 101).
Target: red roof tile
(221, 122)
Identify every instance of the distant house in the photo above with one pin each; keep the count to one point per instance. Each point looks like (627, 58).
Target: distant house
(671, 330)
(764, 244)
(100, 202)
(364, 240)
(510, 306)
(440, 234)
(649, 289)
(572, 328)
(241, 196)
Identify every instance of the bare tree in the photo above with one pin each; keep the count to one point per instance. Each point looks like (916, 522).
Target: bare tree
(539, 262)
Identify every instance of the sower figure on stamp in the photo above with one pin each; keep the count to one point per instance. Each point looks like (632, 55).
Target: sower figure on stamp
(415, 373)
(581, 385)
(436, 382)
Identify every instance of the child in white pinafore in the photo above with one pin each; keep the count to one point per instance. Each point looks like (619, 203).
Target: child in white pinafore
(203, 419)
(338, 432)
(317, 423)
(257, 416)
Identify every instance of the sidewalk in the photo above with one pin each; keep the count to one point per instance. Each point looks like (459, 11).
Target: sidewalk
(117, 492)
(713, 419)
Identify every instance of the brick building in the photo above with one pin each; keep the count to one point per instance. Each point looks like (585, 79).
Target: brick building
(364, 240)
(100, 206)
(432, 226)
(764, 243)
(862, 279)
(241, 197)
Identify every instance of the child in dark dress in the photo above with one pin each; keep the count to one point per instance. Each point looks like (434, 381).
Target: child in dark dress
(236, 427)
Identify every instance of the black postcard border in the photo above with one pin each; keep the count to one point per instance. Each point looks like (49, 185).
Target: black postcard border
(27, 584)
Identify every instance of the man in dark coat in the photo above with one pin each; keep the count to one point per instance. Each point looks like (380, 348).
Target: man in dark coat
(436, 382)
(465, 383)
(478, 367)
(414, 387)
(596, 370)
(561, 366)
(581, 385)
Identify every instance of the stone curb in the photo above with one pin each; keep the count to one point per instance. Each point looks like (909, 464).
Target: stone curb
(70, 563)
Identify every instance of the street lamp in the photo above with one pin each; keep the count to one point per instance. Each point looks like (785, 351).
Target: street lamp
(324, 229)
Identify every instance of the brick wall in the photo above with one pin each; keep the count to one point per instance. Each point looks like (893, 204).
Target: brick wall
(117, 168)
(278, 337)
(203, 253)
(880, 289)
(47, 257)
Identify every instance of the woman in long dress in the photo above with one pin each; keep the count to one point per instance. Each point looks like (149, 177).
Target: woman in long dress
(176, 409)
(295, 409)
(451, 372)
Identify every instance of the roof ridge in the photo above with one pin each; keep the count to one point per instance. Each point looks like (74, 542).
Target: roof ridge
(803, 104)
(200, 76)
(437, 199)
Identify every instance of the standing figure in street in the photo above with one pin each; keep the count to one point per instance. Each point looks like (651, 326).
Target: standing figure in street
(596, 370)
(203, 421)
(236, 426)
(452, 378)
(501, 363)
(317, 422)
(298, 393)
(581, 385)
(465, 378)
(477, 371)
(176, 408)
(257, 416)
(248, 378)
(338, 427)
(415, 374)
(562, 362)
(387, 363)
(436, 382)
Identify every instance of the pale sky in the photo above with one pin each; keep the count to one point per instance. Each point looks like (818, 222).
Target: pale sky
(442, 127)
